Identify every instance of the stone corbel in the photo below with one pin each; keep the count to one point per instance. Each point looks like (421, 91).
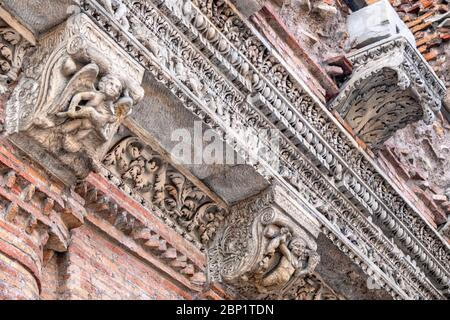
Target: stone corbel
(391, 87)
(266, 247)
(77, 87)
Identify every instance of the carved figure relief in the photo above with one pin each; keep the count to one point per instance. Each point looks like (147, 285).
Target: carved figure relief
(326, 142)
(293, 257)
(78, 87)
(118, 10)
(91, 105)
(261, 251)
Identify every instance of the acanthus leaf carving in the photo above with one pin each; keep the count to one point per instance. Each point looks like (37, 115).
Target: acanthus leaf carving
(388, 89)
(160, 184)
(316, 136)
(13, 48)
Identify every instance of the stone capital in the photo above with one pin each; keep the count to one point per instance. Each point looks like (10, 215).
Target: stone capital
(77, 86)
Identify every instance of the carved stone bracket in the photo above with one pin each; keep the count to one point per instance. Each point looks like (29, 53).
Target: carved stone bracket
(391, 86)
(262, 249)
(220, 70)
(77, 87)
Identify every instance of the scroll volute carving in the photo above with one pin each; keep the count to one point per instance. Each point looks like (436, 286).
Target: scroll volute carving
(78, 87)
(266, 255)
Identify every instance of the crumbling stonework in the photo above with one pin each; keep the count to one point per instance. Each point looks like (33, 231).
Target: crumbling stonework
(319, 25)
(420, 156)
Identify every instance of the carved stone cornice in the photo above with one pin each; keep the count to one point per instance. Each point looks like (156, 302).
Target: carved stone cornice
(238, 86)
(391, 86)
(135, 166)
(218, 67)
(265, 247)
(76, 88)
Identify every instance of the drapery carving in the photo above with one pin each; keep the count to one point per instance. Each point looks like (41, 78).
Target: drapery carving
(261, 250)
(77, 88)
(391, 86)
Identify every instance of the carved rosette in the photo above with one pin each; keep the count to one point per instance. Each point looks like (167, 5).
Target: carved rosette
(78, 86)
(262, 250)
(391, 86)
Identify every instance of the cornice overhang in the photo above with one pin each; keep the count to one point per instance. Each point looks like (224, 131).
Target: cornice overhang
(391, 86)
(221, 69)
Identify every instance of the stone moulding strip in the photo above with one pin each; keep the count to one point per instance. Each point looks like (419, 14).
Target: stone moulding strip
(344, 150)
(344, 156)
(149, 177)
(145, 235)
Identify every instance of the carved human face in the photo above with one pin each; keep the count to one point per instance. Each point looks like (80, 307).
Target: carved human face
(110, 86)
(298, 247)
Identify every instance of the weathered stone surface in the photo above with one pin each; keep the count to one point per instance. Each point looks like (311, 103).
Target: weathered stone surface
(39, 15)
(319, 26)
(313, 215)
(374, 23)
(72, 97)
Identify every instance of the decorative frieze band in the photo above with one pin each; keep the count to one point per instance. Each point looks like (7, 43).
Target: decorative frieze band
(159, 184)
(219, 69)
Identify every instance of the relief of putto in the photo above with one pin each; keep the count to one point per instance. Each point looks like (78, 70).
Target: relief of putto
(74, 98)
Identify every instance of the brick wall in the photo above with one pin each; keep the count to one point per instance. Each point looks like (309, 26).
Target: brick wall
(16, 282)
(95, 267)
